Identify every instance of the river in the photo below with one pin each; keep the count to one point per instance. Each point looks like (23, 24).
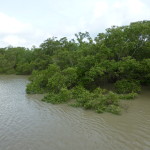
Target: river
(26, 123)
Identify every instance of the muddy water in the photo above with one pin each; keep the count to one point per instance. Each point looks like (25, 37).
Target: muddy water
(26, 123)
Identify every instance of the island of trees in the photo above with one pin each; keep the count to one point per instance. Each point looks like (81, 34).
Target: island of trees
(78, 70)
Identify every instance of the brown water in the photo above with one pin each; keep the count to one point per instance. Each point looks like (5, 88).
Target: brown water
(29, 124)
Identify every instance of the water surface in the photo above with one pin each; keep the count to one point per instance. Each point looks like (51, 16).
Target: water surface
(26, 123)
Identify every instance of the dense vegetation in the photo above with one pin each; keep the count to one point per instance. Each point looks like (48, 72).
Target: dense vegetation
(77, 70)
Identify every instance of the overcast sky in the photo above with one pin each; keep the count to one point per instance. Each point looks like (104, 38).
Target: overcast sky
(30, 22)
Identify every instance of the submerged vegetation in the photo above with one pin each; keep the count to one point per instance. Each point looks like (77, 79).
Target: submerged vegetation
(76, 70)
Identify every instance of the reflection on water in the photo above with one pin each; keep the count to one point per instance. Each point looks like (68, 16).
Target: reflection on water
(26, 123)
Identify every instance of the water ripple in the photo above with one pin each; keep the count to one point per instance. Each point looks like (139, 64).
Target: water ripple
(27, 123)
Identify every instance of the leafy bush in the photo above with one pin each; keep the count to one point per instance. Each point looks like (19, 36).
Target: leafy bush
(127, 86)
(24, 69)
(70, 76)
(63, 96)
(38, 82)
(33, 88)
(99, 100)
(56, 82)
(128, 96)
(113, 109)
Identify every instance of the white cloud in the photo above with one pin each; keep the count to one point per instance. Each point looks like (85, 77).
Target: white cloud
(93, 16)
(11, 25)
(13, 40)
(16, 33)
(118, 12)
(101, 8)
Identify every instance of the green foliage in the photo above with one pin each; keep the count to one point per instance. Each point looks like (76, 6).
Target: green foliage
(24, 68)
(45, 79)
(56, 82)
(70, 76)
(128, 68)
(145, 71)
(63, 96)
(127, 86)
(76, 69)
(34, 88)
(99, 100)
(39, 82)
(128, 96)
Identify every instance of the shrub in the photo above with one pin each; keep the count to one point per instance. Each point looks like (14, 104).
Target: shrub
(56, 82)
(128, 96)
(99, 100)
(113, 109)
(63, 96)
(70, 76)
(127, 86)
(34, 88)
